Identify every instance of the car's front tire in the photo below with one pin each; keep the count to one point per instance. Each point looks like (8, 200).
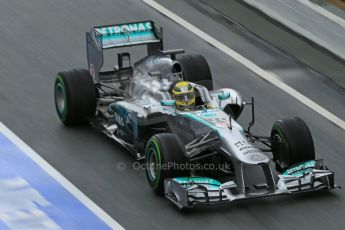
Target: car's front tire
(164, 158)
(75, 96)
(292, 143)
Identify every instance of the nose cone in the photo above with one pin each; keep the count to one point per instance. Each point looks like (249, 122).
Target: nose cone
(238, 146)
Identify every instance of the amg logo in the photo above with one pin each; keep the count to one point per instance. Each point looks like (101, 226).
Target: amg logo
(126, 28)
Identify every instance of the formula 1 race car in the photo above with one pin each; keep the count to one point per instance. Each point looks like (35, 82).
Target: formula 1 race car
(184, 145)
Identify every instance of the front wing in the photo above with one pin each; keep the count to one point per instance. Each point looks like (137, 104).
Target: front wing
(308, 176)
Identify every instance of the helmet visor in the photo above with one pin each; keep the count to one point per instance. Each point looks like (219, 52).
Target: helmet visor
(185, 96)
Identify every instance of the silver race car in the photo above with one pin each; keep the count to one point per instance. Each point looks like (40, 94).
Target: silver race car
(163, 109)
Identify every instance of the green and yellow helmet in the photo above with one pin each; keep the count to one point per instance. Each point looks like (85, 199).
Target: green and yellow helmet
(184, 95)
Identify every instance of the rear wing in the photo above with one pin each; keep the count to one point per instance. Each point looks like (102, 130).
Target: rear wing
(121, 35)
(137, 33)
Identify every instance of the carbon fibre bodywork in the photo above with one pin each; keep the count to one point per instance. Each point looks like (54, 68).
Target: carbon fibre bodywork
(130, 111)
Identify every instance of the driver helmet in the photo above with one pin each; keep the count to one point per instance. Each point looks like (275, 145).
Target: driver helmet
(184, 95)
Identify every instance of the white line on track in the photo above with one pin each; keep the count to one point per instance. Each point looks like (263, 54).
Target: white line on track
(59, 178)
(324, 12)
(249, 64)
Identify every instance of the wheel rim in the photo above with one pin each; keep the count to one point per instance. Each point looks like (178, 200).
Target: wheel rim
(60, 97)
(152, 164)
(281, 148)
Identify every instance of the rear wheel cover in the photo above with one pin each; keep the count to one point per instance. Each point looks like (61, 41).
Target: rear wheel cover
(61, 98)
(196, 69)
(153, 163)
(75, 97)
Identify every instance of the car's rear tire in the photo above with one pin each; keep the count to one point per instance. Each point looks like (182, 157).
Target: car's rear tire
(196, 69)
(292, 143)
(164, 156)
(75, 96)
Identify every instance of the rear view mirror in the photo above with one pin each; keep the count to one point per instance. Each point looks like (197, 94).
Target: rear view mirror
(171, 103)
(223, 96)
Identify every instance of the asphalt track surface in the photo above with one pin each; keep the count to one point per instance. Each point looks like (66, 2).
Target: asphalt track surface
(41, 37)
